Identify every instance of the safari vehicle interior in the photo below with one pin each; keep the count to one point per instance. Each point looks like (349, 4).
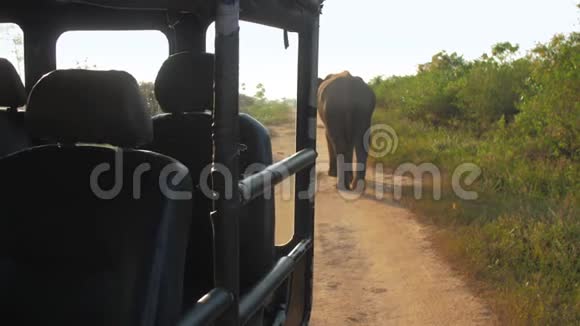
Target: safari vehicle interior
(82, 243)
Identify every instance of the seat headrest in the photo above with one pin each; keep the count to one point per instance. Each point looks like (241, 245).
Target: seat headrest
(12, 92)
(104, 107)
(185, 83)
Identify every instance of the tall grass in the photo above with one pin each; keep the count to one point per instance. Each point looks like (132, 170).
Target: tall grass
(268, 112)
(520, 239)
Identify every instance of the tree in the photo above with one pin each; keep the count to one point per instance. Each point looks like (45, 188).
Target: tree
(13, 35)
(504, 51)
(260, 92)
(246, 101)
(491, 89)
(432, 96)
(442, 61)
(550, 106)
(148, 90)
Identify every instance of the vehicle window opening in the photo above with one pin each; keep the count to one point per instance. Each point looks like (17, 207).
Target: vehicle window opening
(12, 47)
(140, 53)
(269, 95)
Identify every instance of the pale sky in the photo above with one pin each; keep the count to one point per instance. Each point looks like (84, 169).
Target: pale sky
(369, 38)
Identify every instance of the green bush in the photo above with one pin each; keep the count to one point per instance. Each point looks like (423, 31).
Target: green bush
(521, 236)
(532, 264)
(268, 112)
(491, 91)
(518, 119)
(428, 96)
(148, 91)
(550, 118)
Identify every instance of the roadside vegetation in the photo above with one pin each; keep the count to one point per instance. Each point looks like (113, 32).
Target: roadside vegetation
(268, 112)
(517, 118)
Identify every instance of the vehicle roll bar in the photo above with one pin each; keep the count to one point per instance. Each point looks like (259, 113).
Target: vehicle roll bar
(256, 298)
(226, 136)
(222, 305)
(208, 308)
(263, 181)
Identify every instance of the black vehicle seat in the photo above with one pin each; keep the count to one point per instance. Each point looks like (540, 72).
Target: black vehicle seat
(184, 89)
(186, 136)
(13, 137)
(88, 235)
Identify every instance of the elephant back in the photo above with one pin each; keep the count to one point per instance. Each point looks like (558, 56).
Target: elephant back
(346, 89)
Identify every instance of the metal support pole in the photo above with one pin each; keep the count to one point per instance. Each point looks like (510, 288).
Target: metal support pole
(306, 129)
(226, 141)
(40, 54)
(306, 138)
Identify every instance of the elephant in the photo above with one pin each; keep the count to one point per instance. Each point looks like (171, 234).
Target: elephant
(345, 105)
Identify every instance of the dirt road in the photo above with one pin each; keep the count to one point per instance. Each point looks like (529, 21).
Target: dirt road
(374, 264)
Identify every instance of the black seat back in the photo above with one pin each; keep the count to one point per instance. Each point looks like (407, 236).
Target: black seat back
(184, 89)
(12, 96)
(184, 132)
(91, 234)
(257, 218)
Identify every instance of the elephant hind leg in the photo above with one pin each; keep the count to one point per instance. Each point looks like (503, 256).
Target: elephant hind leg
(344, 163)
(359, 181)
(332, 170)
